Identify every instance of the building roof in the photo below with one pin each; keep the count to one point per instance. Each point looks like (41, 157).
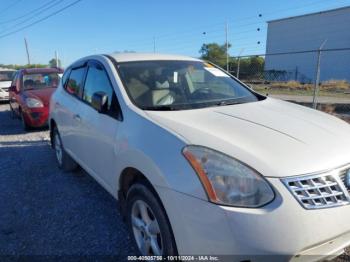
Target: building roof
(316, 13)
(129, 57)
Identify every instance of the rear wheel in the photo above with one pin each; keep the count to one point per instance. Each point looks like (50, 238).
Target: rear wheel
(65, 161)
(148, 223)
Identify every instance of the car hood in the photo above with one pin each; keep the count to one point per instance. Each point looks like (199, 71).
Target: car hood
(275, 137)
(5, 84)
(43, 94)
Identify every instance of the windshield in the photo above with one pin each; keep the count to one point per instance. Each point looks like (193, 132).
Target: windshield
(6, 75)
(174, 85)
(40, 80)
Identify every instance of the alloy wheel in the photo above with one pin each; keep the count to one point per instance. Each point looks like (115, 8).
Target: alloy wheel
(146, 229)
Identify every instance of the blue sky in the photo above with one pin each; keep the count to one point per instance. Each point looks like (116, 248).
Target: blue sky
(104, 26)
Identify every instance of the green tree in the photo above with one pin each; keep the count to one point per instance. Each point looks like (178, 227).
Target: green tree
(52, 63)
(214, 53)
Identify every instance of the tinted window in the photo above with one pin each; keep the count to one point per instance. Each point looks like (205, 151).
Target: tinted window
(75, 81)
(40, 81)
(97, 81)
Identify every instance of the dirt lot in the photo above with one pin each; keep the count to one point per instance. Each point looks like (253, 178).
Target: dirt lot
(50, 213)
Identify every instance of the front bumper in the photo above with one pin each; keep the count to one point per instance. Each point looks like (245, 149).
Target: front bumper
(36, 117)
(282, 229)
(4, 95)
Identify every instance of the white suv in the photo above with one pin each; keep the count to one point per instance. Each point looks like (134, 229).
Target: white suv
(200, 163)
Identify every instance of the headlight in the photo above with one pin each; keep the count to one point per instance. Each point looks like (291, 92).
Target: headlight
(34, 103)
(227, 181)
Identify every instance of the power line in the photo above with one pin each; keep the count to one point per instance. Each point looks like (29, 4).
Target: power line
(34, 15)
(26, 14)
(270, 14)
(245, 18)
(10, 6)
(40, 20)
(221, 24)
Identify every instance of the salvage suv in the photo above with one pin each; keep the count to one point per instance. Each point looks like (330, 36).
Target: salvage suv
(202, 164)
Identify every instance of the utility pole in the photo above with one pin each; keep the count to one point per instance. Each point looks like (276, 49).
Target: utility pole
(318, 72)
(227, 57)
(26, 45)
(154, 44)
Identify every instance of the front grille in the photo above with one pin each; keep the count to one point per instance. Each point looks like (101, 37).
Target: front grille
(6, 89)
(319, 191)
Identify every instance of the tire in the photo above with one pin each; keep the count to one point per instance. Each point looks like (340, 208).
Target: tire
(13, 114)
(148, 223)
(64, 161)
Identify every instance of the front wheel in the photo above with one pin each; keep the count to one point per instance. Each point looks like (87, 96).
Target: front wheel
(25, 126)
(65, 161)
(148, 223)
(13, 114)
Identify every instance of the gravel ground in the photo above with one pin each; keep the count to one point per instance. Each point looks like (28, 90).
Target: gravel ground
(46, 212)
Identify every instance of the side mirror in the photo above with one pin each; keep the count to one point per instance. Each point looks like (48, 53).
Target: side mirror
(99, 101)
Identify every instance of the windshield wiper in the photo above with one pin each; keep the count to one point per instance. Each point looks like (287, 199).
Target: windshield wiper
(227, 103)
(160, 108)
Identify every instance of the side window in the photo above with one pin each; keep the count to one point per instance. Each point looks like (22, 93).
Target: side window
(75, 81)
(96, 81)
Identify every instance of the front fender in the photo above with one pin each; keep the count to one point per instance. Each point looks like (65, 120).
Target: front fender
(157, 154)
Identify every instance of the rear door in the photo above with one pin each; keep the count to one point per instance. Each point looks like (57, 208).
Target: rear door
(68, 108)
(98, 131)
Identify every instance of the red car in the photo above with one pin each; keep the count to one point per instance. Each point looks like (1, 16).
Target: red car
(30, 93)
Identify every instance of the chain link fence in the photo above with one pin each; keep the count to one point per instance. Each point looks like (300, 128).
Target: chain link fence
(318, 78)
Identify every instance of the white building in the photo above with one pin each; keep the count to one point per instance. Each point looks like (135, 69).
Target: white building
(305, 33)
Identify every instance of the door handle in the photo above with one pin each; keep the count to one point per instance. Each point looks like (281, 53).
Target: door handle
(77, 117)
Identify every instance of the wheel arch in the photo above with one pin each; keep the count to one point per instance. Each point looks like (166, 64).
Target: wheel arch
(129, 177)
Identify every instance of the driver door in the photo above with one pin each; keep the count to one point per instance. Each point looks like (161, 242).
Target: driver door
(99, 130)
